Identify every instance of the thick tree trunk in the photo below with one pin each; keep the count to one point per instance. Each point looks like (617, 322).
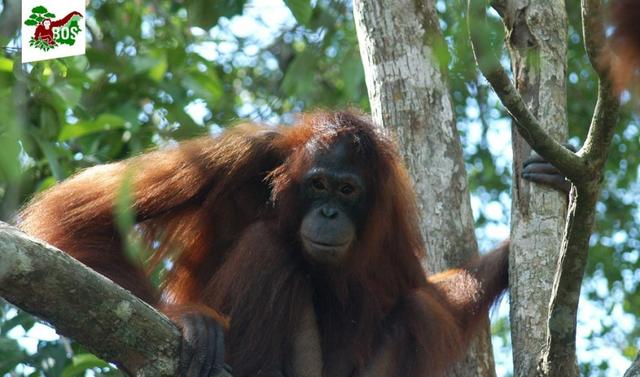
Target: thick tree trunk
(537, 45)
(409, 95)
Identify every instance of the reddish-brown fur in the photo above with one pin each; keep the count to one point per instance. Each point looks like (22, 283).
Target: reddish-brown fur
(226, 210)
(623, 55)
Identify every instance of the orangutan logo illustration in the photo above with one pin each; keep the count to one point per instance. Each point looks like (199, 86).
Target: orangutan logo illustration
(51, 33)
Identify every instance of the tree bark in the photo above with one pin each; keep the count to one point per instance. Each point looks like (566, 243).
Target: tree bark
(585, 168)
(399, 43)
(537, 45)
(86, 306)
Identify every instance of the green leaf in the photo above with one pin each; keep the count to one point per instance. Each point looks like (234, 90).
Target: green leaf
(23, 319)
(352, 75)
(205, 13)
(95, 74)
(52, 353)
(39, 9)
(46, 183)
(104, 122)
(154, 66)
(205, 85)
(12, 355)
(68, 93)
(6, 64)
(30, 22)
(301, 10)
(81, 363)
(299, 78)
(49, 151)
(157, 72)
(143, 63)
(50, 15)
(125, 215)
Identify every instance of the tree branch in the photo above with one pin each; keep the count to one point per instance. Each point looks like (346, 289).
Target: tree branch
(528, 126)
(559, 356)
(585, 169)
(86, 306)
(560, 352)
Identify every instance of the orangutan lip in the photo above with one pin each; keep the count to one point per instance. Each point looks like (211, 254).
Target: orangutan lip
(325, 245)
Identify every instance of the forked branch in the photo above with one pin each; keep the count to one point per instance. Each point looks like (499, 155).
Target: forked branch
(559, 354)
(527, 124)
(584, 169)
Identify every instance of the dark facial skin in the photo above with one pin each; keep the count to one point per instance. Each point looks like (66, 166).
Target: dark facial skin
(335, 193)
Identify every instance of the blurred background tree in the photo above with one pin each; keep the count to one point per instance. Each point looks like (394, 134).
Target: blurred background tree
(159, 72)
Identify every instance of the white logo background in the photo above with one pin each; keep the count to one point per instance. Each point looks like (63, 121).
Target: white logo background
(60, 9)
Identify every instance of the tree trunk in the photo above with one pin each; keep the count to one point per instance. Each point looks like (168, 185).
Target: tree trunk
(409, 95)
(537, 45)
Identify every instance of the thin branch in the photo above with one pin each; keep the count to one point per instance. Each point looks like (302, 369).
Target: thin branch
(528, 126)
(86, 306)
(601, 130)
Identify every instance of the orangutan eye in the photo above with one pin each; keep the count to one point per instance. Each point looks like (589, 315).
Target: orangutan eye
(318, 184)
(347, 189)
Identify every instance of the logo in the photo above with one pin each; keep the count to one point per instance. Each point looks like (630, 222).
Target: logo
(52, 29)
